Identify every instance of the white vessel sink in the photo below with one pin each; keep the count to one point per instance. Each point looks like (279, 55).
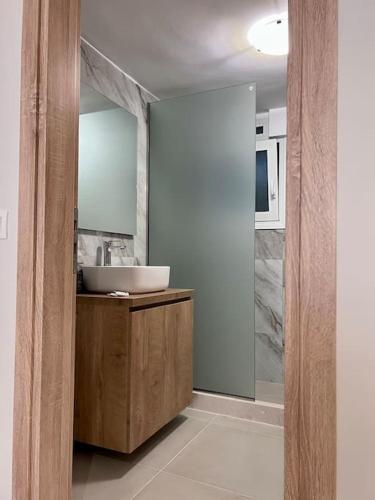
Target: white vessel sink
(132, 279)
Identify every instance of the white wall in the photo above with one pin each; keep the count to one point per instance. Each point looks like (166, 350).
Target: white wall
(356, 251)
(10, 64)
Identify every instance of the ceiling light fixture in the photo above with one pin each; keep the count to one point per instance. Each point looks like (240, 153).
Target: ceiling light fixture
(270, 35)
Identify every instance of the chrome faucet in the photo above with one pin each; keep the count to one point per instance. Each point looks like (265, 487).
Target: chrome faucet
(108, 246)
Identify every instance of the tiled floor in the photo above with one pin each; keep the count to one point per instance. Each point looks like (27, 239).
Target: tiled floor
(198, 456)
(269, 391)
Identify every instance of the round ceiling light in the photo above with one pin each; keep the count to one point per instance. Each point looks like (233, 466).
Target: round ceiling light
(270, 35)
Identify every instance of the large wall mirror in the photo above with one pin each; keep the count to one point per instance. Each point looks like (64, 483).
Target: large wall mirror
(107, 196)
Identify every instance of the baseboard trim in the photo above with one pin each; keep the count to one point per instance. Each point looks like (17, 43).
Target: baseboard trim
(259, 411)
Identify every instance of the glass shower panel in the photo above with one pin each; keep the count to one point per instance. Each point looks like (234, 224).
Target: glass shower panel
(202, 213)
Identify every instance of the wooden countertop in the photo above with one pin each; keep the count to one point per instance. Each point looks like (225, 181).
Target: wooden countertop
(144, 299)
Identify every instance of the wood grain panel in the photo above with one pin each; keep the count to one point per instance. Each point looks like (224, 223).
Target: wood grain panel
(133, 368)
(292, 255)
(161, 356)
(101, 375)
(147, 299)
(318, 253)
(46, 284)
(311, 253)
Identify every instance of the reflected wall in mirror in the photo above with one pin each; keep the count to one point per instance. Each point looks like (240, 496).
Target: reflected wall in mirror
(107, 194)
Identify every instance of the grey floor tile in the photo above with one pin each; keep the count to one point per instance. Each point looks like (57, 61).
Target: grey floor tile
(165, 445)
(170, 487)
(235, 458)
(154, 454)
(250, 426)
(204, 416)
(97, 477)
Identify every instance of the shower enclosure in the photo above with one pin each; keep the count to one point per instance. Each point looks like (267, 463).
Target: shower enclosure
(202, 224)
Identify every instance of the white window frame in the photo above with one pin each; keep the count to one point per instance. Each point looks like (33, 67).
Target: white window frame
(262, 120)
(270, 146)
(275, 217)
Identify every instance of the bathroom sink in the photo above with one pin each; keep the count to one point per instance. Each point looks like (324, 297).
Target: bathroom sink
(132, 279)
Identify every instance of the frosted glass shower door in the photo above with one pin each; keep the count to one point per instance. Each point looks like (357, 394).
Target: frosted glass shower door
(202, 211)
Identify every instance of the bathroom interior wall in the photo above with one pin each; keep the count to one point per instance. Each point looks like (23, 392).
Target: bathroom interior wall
(269, 280)
(10, 62)
(269, 305)
(356, 235)
(356, 286)
(107, 79)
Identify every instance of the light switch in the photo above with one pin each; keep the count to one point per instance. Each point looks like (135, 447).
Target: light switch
(3, 224)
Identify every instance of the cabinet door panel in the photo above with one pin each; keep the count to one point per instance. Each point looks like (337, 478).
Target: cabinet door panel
(101, 374)
(161, 367)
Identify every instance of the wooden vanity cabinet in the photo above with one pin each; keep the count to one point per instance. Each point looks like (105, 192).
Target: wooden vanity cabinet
(133, 369)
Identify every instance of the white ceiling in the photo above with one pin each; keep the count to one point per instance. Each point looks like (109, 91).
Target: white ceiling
(177, 47)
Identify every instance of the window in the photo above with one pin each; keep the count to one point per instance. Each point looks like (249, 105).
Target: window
(262, 126)
(270, 184)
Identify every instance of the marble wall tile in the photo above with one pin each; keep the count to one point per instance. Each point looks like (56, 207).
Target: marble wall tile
(90, 249)
(97, 72)
(269, 296)
(269, 243)
(269, 306)
(269, 359)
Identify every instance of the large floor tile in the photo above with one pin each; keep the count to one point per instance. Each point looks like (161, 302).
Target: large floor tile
(157, 451)
(97, 477)
(165, 445)
(204, 416)
(250, 426)
(170, 487)
(236, 458)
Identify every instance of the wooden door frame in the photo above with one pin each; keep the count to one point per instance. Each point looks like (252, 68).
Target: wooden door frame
(43, 403)
(43, 412)
(310, 267)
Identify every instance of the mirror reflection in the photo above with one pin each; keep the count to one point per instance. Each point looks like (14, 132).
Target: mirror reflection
(107, 195)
